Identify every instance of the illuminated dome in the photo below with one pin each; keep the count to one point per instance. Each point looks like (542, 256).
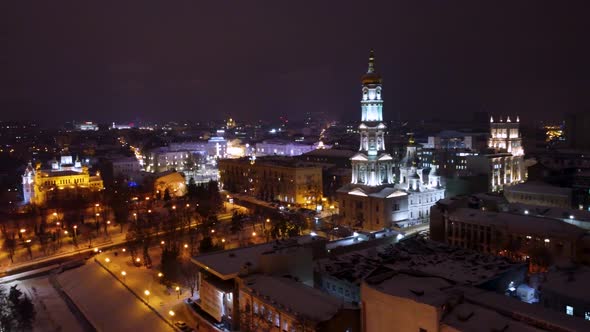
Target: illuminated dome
(371, 77)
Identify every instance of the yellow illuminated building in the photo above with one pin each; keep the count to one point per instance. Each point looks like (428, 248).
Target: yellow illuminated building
(41, 184)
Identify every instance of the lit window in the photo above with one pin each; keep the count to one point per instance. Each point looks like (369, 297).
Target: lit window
(569, 310)
(587, 315)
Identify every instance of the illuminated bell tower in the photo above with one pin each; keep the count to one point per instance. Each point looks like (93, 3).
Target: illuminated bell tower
(372, 166)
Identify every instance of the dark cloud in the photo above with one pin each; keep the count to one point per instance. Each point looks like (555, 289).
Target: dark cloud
(121, 60)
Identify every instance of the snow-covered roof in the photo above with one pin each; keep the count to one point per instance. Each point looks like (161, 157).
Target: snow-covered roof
(433, 258)
(293, 297)
(422, 289)
(538, 315)
(538, 188)
(571, 282)
(469, 317)
(518, 224)
(228, 263)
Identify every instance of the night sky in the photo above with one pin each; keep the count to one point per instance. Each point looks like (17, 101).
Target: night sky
(122, 60)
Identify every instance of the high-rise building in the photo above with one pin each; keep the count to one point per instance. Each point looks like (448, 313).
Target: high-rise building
(372, 201)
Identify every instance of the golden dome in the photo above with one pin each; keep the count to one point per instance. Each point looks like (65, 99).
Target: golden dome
(371, 77)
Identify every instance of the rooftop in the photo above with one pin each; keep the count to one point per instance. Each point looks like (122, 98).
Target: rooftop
(422, 289)
(571, 282)
(469, 317)
(228, 263)
(294, 297)
(331, 153)
(416, 254)
(539, 188)
(518, 224)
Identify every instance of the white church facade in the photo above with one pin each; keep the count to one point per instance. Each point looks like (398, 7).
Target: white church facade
(373, 200)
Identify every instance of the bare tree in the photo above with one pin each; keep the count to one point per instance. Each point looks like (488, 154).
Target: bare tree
(190, 276)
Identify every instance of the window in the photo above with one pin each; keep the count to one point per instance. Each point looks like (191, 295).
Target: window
(569, 310)
(587, 315)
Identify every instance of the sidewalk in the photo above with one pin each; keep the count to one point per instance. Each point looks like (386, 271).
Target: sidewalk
(141, 279)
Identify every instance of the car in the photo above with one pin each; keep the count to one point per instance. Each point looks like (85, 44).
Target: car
(182, 326)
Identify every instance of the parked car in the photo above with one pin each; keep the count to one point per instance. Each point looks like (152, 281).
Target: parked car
(182, 326)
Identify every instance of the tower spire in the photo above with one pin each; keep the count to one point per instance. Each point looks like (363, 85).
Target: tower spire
(371, 62)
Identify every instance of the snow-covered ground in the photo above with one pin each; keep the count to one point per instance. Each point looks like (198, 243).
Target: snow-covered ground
(52, 312)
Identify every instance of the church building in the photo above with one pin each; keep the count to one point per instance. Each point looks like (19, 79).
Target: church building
(373, 200)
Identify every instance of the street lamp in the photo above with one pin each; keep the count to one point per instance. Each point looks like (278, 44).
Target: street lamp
(185, 245)
(253, 233)
(160, 275)
(123, 273)
(171, 313)
(75, 229)
(108, 260)
(22, 230)
(177, 292)
(147, 294)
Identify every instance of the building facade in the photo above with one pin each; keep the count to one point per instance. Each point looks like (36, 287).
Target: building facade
(273, 179)
(503, 163)
(39, 184)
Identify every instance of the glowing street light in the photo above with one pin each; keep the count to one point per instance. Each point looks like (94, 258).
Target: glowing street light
(124, 274)
(22, 230)
(185, 245)
(162, 243)
(160, 275)
(177, 292)
(253, 233)
(173, 207)
(95, 249)
(108, 260)
(223, 240)
(171, 313)
(147, 294)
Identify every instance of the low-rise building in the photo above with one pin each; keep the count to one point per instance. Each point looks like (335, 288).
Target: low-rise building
(427, 303)
(279, 303)
(513, 230)
(222, 274)
(536, 193)
(341, 275)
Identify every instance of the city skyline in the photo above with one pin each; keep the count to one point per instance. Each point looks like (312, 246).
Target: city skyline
(113, 62)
